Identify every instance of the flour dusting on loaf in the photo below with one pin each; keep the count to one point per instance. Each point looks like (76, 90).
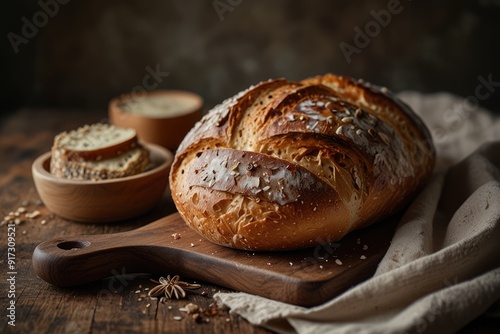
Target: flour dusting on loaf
(285, 164)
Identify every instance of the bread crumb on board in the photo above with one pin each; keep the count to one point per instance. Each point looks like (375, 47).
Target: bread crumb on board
(23, 215)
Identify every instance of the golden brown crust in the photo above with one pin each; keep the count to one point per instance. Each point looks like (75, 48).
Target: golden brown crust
(284, 164)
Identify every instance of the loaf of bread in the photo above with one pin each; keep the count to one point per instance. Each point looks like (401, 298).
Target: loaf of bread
(98, 152)
(286, 165)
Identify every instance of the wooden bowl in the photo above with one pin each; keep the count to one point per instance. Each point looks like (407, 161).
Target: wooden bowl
(164, 123)
(103, 200)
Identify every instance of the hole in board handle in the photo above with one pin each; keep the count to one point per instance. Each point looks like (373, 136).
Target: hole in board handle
(72, 245)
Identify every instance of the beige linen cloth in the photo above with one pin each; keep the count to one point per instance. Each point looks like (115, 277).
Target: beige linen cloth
(442, 269)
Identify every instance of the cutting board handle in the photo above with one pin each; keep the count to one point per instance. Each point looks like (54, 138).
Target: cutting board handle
(77, 260)
(169, 247)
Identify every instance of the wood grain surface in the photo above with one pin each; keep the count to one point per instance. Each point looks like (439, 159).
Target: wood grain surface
(115, 304)
(305, 277)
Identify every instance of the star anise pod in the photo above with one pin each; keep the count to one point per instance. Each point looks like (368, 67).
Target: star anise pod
(171, 287)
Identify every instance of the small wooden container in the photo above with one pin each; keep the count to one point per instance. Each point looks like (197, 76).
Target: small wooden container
(163, 117)
(103, 200)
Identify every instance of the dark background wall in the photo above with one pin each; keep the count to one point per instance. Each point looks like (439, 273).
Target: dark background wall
(82, 53)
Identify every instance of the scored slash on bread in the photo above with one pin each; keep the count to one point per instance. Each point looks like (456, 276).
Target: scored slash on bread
(98, 152)
(286, 165)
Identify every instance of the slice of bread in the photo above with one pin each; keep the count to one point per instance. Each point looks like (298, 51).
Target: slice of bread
(98, 152)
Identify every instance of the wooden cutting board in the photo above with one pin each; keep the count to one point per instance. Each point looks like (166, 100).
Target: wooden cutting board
(305, 277)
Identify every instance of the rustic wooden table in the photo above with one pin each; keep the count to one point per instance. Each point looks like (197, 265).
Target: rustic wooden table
(118, 305)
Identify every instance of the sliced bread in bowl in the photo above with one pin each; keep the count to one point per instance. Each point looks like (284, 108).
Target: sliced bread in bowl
(98, 152)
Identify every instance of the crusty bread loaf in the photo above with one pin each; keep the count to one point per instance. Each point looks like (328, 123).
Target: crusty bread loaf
(98, 152)
(286, 165)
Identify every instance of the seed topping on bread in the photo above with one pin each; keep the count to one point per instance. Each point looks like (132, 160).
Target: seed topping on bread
(97, 152)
